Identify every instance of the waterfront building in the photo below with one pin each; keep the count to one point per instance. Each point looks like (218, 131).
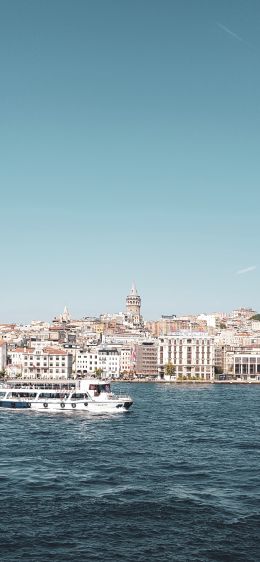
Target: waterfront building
(246, 365)
(190, 354)
(145, 358)
(86, 361)
(224, 358)
(48, 362)
(115, 359)
(103, 357)
(126, 359)
(109, 360)
(3, 355)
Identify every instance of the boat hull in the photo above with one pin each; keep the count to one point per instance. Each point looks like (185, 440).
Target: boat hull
(54, 406)
(14, 404)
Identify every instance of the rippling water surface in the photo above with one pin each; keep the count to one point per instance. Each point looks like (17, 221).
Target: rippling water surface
(175, 479)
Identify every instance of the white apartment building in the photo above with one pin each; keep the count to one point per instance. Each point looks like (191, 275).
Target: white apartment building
(39, 363)
(126, 359)
(86, 361)
(109, 361)
(105, 358)
(246, 365)
(192, 355)
(212, 320)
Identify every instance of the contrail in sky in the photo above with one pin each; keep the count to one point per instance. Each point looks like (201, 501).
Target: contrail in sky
(230, 32)
(246, 270)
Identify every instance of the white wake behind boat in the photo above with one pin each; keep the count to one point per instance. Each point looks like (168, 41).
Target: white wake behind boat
(87, 395)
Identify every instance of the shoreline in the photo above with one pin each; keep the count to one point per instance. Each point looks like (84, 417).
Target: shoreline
(133, 381)
(138, 381)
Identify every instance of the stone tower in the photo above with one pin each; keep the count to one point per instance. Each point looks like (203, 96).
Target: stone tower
(133, 306)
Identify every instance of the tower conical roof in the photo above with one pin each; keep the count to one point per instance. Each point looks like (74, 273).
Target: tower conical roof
(133, 291)
(66, 315)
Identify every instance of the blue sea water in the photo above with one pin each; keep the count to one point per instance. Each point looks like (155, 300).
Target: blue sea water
(174, 479)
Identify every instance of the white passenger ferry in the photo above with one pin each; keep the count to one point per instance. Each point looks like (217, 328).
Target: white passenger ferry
(88, 395)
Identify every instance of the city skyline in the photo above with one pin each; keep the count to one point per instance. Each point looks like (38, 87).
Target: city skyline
(67, 314)
(129, 144)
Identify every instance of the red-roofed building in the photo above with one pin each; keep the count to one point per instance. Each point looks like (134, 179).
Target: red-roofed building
(40, 363)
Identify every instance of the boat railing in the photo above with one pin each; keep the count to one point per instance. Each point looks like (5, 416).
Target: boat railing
(119, 397)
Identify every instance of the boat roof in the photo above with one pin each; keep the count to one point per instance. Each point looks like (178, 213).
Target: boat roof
(25, 383)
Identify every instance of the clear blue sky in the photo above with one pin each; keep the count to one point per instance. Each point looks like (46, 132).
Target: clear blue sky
(129, 142)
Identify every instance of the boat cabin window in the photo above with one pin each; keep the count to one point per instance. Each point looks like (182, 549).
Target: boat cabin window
(93, 386)
(20, 394)
(105, 387)
(96, 389)
(99, 388)
(78, 396)
(2, 394)
(62, 395)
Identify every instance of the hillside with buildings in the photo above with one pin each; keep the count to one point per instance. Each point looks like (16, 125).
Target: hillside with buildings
(206, 347)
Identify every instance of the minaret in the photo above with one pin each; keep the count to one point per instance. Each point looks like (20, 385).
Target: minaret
(65, 317)
(133, 305)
